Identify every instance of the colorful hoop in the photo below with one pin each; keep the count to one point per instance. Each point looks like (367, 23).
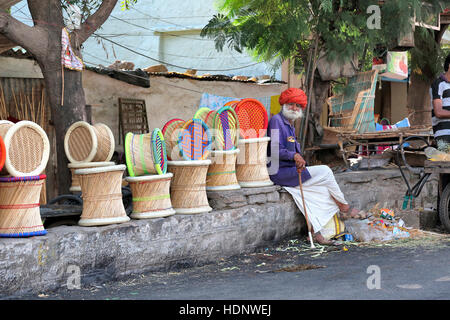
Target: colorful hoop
(226, 129)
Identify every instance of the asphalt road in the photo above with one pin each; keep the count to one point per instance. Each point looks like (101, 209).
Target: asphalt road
(290, 270)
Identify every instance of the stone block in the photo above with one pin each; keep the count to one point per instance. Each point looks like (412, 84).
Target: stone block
(257, 199)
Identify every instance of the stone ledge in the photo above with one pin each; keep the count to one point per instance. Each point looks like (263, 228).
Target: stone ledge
(110, 252)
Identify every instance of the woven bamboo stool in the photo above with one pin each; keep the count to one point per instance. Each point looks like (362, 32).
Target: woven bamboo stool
(101, 190)
(145, 154)
(222, 171)
(188, 186)
(85, 143)
(151, 196)
(76, 187)
(251, 164)
(19, 206)
(27, 148)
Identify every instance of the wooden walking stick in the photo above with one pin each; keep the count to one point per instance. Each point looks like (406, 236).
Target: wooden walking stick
(306, 214)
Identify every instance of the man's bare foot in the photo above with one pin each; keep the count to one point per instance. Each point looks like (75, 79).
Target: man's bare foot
(321, 240)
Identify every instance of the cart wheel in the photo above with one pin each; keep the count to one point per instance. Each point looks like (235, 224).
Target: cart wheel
(67, 199)
(444, 204)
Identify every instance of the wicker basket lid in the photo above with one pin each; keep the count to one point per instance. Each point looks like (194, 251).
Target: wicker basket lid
(27, 149)
(153, 177)
(118, 167)
(82, 165)
(80, 142)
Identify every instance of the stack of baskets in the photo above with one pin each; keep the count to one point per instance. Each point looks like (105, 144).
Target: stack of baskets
(189, 145)
(89, 148)
(146, 158)
(24, 155)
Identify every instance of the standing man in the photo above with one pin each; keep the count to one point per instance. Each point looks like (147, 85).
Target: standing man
(323, 197)
(440, 111)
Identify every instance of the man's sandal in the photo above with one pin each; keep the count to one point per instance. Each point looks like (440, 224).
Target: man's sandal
(353, 213)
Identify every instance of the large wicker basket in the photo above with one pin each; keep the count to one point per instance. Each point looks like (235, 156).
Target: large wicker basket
(102, 195)
(85, 143)
(151, 196)
(222, 171)
(251, 164)
(188, 186)
(27, 148)
(19, 206)
(76, 187)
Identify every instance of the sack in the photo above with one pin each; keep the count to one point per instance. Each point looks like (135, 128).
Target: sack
(333, 228)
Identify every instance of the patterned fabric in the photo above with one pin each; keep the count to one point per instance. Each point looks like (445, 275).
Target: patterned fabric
(68, 58)
(213, 102)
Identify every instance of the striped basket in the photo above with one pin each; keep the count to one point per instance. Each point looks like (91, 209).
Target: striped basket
(195, 140)
(19, 206)
(222, 171)
(145, 153)
(253, 118)
(171, 131)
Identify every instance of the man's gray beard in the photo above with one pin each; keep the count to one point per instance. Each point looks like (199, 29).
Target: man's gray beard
(291, 115)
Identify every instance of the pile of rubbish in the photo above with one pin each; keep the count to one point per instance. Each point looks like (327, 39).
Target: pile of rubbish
(382, 225)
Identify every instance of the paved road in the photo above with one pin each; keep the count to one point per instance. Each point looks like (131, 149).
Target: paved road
(407, 269)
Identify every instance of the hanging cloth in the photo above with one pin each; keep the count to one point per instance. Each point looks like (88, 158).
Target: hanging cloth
(68, 57)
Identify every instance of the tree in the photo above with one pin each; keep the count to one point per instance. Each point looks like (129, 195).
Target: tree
(337, 31)
(43, 41)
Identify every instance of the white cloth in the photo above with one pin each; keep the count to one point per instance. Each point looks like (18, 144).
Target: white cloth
(68, 57)
(319, 192)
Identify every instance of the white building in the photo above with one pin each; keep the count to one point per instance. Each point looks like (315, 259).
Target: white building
(163, 32)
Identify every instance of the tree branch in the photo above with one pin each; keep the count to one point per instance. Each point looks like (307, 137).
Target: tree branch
(94, 21)
(30, 38)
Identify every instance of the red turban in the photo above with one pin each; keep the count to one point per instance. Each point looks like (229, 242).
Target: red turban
(293, 95)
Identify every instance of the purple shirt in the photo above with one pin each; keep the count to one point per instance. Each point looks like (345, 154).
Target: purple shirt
(282, 169)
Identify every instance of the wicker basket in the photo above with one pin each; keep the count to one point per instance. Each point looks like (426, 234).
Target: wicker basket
(251, 164)
(102, 195)
(76, 187)
(27, 148)
(222, 171)
(145, 154)
(85, 143)
(19, 206)
(171, 132)
(151, 196)
(188, 186)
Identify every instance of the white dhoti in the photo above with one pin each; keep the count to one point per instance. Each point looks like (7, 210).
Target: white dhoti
(319, 192)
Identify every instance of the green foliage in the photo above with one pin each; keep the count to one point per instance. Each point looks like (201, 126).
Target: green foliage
(274, 30)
